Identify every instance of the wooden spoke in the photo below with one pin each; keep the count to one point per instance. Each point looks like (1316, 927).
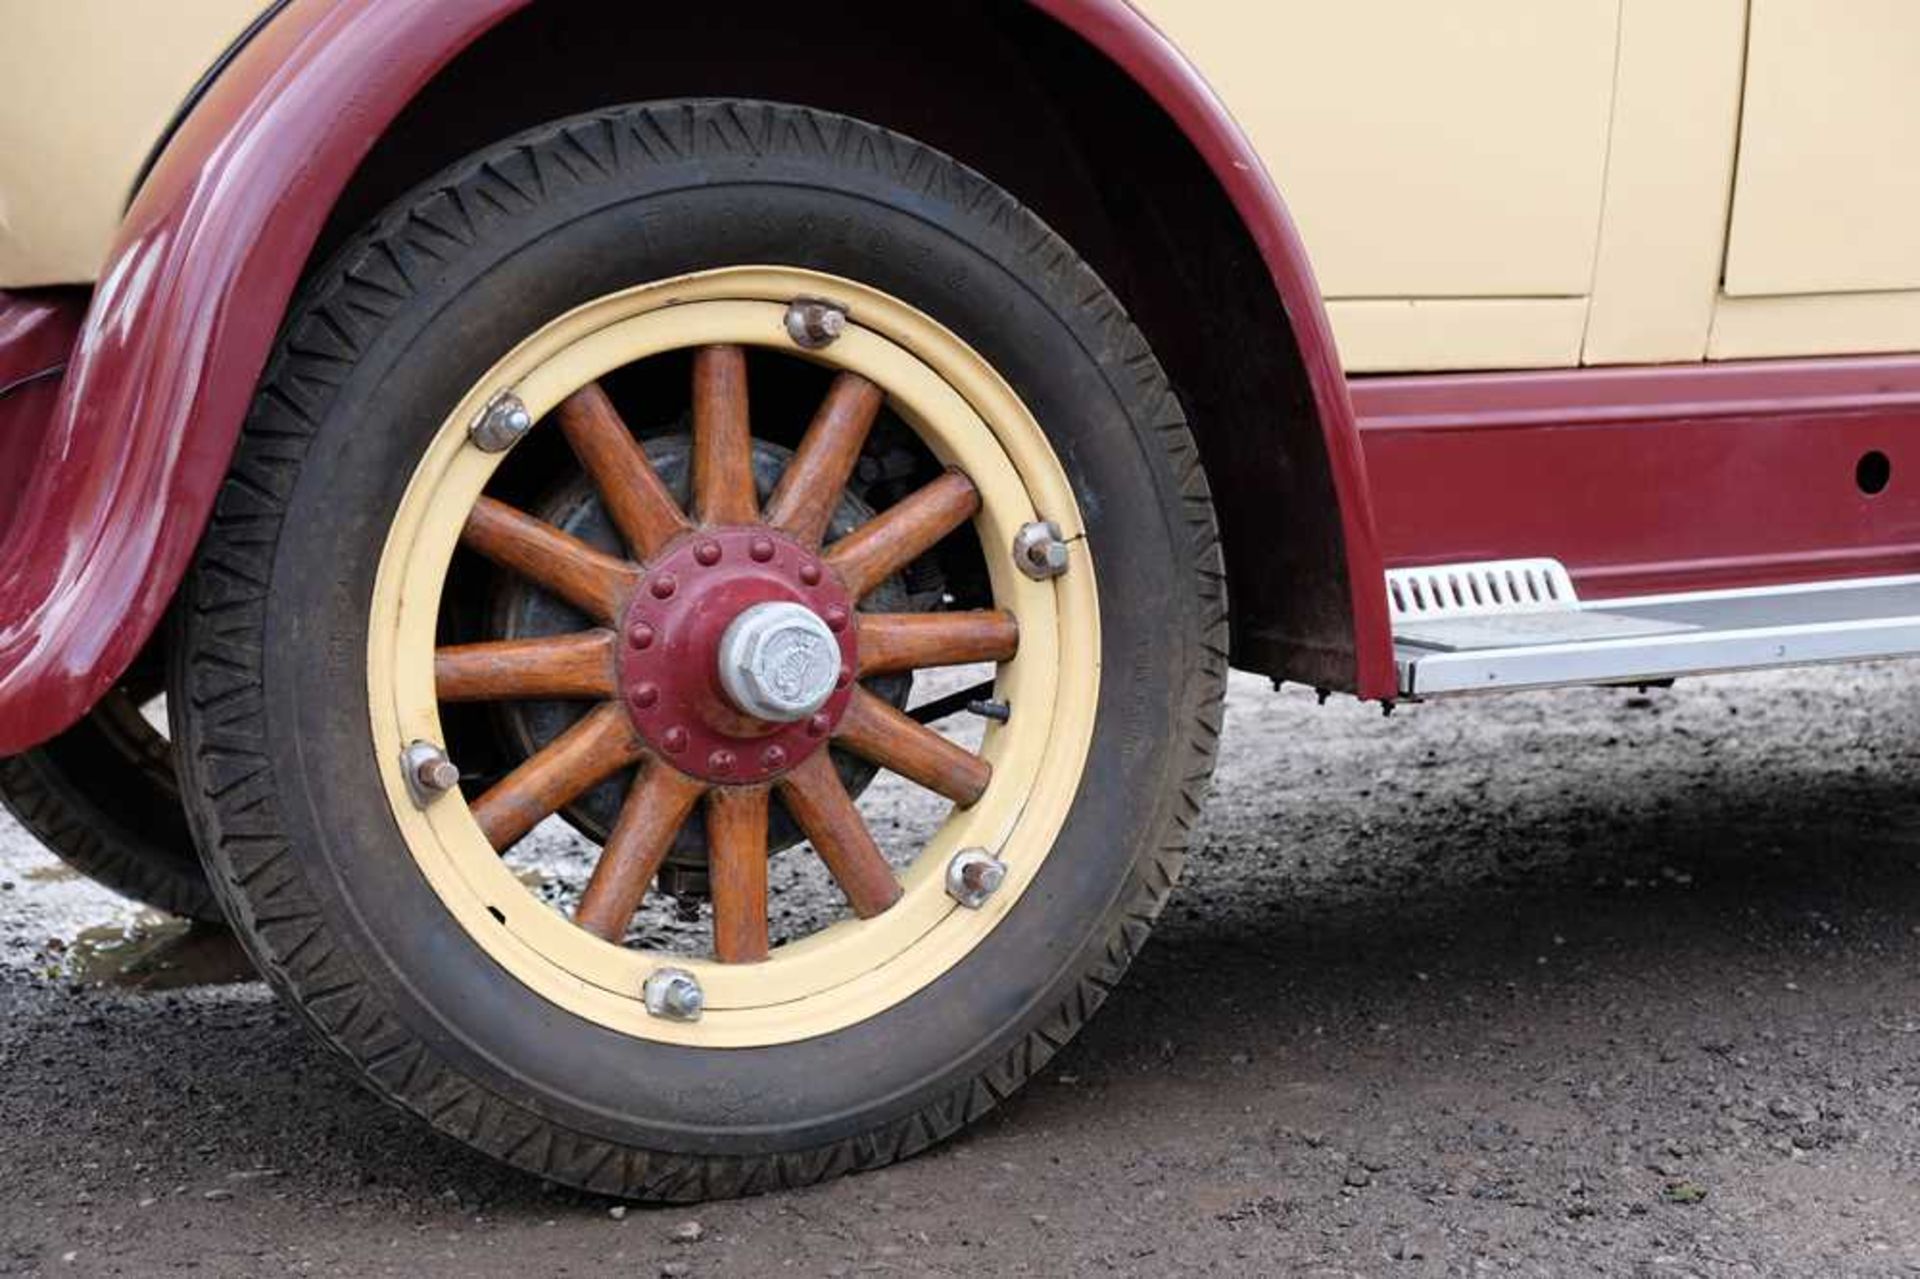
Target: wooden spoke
(903, 532)
(723, 490)
(908, 641)
(562, 666)
(875, 731)
(805, 499)
(596, 748)
(737, 870)
(638, 502)
(561, 563)
(814, 795)
(655, 810)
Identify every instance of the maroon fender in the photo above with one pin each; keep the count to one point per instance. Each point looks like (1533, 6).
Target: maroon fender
(187, 309)
(36, 333)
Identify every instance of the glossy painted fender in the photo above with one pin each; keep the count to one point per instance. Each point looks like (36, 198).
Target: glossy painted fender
(187, 309)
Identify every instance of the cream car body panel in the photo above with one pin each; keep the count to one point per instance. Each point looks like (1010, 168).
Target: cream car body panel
(86, 87)
(1481, 184)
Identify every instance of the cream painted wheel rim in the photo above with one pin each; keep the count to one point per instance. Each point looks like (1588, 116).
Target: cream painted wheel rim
(856, 968)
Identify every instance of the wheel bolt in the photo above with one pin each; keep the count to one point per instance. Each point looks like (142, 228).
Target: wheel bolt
(708, 553)
(721, 761)
(774, 757)
(640, 635)
(430, 774)
(810, 573)
(643, 696)
(846, 677)
(818, 726)
(674, 993)
(674, 739)
(664, 586)
(761, 548)
(973, 876)
(836, 618)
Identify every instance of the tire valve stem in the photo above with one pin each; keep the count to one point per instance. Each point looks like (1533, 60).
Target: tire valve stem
(430, 774)
(999, 712)
(674, 994)
(973, 876)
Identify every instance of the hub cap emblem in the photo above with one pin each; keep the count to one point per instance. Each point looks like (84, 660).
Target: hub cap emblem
(779, 661)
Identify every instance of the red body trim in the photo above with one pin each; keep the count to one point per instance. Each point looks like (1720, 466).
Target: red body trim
(1651, 480)
(36, 333)
(196, 286)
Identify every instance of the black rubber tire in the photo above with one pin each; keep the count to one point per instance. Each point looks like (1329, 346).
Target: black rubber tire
(269, 682)
(111, 810)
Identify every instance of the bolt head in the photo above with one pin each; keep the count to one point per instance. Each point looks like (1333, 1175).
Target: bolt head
(778, 661)
(503, 423)
(430, 774)
(1040, 550)
(974, 876)
(674, 994)
(813, 324)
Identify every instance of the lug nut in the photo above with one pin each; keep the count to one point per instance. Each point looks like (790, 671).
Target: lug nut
(813, 324)
(674, 994)
(1040, 550)
(501, 425)
(430, 774)
(973, 876)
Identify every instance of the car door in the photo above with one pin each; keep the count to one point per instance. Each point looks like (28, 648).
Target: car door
(1823, 255)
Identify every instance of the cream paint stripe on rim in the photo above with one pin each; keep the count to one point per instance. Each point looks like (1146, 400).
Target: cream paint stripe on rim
(854, 969)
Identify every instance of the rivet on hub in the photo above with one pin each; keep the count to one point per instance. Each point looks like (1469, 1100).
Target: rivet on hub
(810, 573)
(1040, 549)
(774, 757)
(721, 761)
(674, 739)
(640, 635)
(973, 876)
(813, 324)
(430, 774)
(501, 425)
(643, 696)
(761, 548)
(674, 994)
(836, 617)
(818, 726)
(708, 553)
(664, 586)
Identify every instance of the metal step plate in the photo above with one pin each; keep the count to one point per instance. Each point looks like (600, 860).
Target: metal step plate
(1658, 637)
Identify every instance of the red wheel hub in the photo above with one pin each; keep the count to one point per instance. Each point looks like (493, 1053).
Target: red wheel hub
(670, 646)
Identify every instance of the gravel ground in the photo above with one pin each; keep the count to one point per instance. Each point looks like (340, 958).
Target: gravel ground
(1584, 982)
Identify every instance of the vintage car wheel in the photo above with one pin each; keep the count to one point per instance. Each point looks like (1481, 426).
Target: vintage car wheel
(103, 798)
(745, 277)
